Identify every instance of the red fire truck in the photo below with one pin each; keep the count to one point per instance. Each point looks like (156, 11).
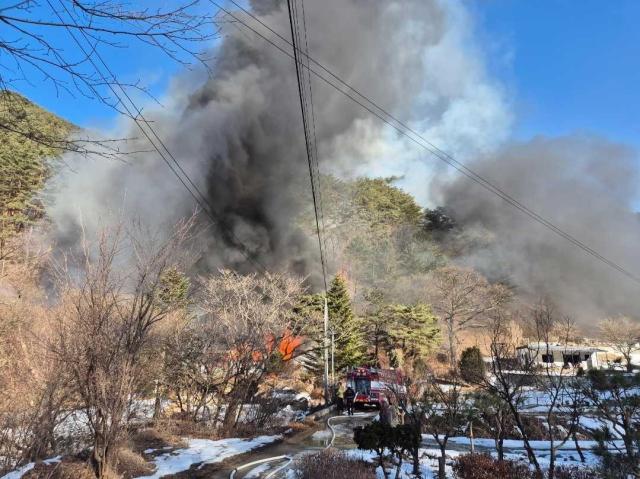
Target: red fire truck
(372, 384)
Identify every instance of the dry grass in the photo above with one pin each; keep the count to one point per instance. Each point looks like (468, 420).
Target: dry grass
(483, 466)
(61, 470)
(181, 428)
(131, 464)
(332, 464)
(154, 438)
(298, 426)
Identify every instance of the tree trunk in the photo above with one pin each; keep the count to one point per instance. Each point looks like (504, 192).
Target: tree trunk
(216, 414)
(230, 415)
(442, 462)
(453, 347)
(627, 437)
(500, 448)
(527, 446)
(99, 457)
(381, 463)
(157, 406)
(415, 450)
(375, 350)
(578, 448)
(415, 456)
(399, 466)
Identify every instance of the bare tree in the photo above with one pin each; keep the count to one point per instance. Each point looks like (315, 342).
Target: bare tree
(32, 48)
(104, 321)
(445, 411)
(496, 416)
(564, 402)
(34, 395)
(462, 298)
(616, 398)
(623, 335)
(34, 399)
(508, 386)
(409, 397)
(248, 316)
(509, 382)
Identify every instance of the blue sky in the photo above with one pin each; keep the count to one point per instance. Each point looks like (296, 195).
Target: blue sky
(568, 66)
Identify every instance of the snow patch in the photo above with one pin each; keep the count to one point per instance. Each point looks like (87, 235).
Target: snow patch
(18, 473)
(205, 451)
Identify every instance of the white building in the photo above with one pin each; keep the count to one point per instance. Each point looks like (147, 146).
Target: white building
(559, 355)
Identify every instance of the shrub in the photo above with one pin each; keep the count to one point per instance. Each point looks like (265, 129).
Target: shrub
(483, 466)
(575, 473)
(61, 470)
(130, 464)
(177, 428)
(332, 464)
(471, 365)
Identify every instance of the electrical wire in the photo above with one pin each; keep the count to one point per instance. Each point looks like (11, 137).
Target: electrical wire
(405, 130)
(308, 145)
(135, 116)
(313, 125)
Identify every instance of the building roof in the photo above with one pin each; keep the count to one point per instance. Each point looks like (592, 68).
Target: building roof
(563, 348)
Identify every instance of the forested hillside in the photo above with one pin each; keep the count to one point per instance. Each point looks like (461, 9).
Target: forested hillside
(375, 232)
(24, 161)
(380, 244)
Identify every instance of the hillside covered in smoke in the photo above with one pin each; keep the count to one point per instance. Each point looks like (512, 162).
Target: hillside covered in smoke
(238, 135)
(586, 186)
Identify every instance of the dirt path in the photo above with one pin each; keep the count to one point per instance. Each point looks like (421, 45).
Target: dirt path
(315, 440)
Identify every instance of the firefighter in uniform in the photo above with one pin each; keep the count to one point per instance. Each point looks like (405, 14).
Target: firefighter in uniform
(349, 396)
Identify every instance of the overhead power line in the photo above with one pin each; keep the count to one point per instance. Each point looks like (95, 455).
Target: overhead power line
(313, 129)
(334, 80)
(293, 22)
(139, 119)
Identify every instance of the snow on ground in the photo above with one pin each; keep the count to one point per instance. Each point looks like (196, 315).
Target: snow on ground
(428, 463)
(595, 423)
(257, 471)
(205, 451)
(519, 444)
(321, 435)
(18, 473)
(198, 451)
(514, 450)
(566, 454)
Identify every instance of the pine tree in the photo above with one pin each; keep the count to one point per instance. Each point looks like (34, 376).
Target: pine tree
(310, 308)
(377, 325)
(471, 365)
(23, 163)
(415, 329)
(350, 347)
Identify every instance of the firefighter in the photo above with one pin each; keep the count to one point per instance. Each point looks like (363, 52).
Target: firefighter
(385, 413)
(349, 396)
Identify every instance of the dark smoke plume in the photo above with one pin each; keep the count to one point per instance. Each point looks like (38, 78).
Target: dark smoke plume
(239, 134)
(586, 186)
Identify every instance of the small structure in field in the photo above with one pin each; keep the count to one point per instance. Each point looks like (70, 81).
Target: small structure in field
(559, 356)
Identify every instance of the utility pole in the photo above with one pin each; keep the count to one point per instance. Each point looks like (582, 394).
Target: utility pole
(333, 354)
(325, 351)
